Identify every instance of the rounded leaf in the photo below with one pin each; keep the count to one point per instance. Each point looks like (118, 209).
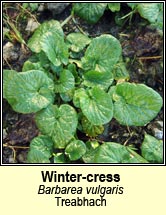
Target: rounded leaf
(152, 149)
(75, 149)
(102, 54)
(114, 7)
(28, 92)
(28, 65)
(8, 77)
(135, 104)
(54, 26)
(66, 82)
(96, 105)
(148, 11)
(110, 152)
(100, 79)
(77, 41)
(41, 149)
(90, 12)
(58, 123)
(55, 48)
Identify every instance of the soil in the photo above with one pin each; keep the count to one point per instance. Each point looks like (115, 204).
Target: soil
(142, 51)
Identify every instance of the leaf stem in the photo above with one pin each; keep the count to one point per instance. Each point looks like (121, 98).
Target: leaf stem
(12, 148)
(149, 58)
(79, 28)
(15, 147)
(128, 14)
(66, 20)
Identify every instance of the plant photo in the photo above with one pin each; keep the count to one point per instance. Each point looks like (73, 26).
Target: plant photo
(83, 83)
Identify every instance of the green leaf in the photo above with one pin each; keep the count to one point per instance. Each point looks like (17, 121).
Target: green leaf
(100, 79)
(135, 157)
(90, 129)
(33, 6)
(39, 65)
(92, 148)
(28, 65)
(152, 149)
(25, 5)
(132, 5)
(66, 82)
(114, 7)
(92, 144)
(111, 152)
(41, 149)
(135, 104)
(56, 69)
(8, 77)
(153, 12)
(96, 105)
(73, 69)
(159, 22)
(77, 95)
(75, 149)
(148, 11)
(67, 96)
(91, 12)
(58, 123)
(59, 158)
(28, 92)
(77, 41)
(120, 72)
(53, 26)
(44, 61)
(55, 48)
(89, 156)
(102, 54)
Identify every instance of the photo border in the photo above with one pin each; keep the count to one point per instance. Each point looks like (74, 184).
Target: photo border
(92, 164)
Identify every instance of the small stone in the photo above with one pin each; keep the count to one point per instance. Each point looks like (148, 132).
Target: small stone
(41, 7)
(158, 133)
(4, 133)
(8, 52)
(57, 8)
(22, 157)
(32, 25)
(159, 124)
(11, 159)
